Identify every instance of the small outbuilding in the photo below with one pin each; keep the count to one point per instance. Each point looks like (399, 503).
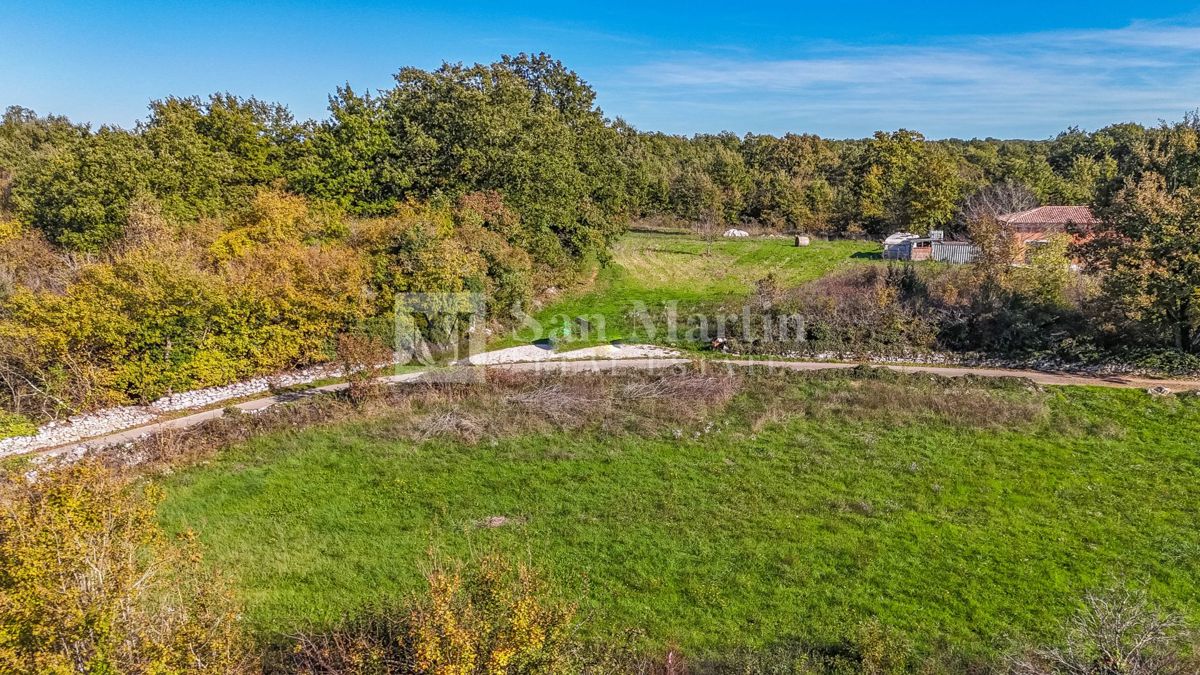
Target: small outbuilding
(906, 246)
(896, 243)
(957, 252)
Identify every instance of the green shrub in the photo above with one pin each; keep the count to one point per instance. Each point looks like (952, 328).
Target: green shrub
(14, 424)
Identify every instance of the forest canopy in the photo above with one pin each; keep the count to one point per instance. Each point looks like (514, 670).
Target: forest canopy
(528, 129)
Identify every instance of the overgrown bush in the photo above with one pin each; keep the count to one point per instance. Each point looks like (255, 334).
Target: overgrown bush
(869, 309)
(1117, 633)
(89, 584)
(360, 357)
(168, 309)
(490, 618)
(1039, 313)
(29, 261)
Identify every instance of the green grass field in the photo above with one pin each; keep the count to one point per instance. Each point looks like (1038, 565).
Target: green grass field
(655, 269)
(963, 514)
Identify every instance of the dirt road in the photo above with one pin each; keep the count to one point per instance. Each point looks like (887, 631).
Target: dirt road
(606, 365)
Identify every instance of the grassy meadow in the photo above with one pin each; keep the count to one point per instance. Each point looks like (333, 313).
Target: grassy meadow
(721, 511)
(659, 268)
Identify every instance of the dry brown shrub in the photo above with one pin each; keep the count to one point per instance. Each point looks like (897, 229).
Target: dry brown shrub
(506, 404)
(360, 357)
(635, 402)
(28, 261)
(952, 288)
(510, 404)
(169, 448)
(560, 403)
(1117, 633)
(706, 390)
(145, 226)
(449, 424)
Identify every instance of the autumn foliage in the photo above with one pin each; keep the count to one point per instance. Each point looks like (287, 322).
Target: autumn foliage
(488, 618)
(90, 584)
(268, 288)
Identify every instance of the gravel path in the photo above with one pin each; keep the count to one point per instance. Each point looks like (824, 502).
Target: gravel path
(533, 353)
(110, 420)
(60, 438)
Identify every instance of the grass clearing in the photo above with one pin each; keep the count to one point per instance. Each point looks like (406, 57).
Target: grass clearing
(719, 513)
(655, 269)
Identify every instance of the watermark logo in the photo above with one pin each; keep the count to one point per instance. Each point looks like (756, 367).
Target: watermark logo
(436, 331)
(661, 323)
(433, 328)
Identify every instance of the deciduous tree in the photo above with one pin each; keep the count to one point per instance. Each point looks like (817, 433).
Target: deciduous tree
(1148, 248)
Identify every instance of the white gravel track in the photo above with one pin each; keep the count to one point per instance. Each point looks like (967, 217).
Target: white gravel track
(111, 420)
(533, 354)
(115, 426)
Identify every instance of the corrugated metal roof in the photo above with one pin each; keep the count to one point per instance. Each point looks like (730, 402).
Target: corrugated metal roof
(898, 237)
(1051, 215)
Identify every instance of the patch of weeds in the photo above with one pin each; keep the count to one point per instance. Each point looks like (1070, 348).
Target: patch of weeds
(14, 424)
(876, 395)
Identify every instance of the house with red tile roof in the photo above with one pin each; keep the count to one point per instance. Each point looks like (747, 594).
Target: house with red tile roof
(1036, 226)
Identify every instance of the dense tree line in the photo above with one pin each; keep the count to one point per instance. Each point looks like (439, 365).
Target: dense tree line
(221, 237)
(894, 180)
(526, 128)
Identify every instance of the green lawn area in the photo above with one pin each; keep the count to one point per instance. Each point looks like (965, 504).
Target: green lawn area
(661, 268)
(962, 514)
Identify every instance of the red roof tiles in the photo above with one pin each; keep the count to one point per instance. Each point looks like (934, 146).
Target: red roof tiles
(1051, 215)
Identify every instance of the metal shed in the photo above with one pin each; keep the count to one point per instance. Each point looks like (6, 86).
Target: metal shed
(904, 246)
(954, 251)
(896, 246)
(917, 248)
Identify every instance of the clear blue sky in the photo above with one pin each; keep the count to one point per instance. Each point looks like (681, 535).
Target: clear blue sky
(840, 69)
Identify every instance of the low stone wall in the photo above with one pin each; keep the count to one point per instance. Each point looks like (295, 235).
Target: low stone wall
(111, 420)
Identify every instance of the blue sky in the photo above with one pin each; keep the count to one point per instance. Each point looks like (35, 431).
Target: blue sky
(840, 69)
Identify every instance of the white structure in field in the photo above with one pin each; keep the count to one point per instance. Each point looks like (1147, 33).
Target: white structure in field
(893, 244)
(734, 232)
